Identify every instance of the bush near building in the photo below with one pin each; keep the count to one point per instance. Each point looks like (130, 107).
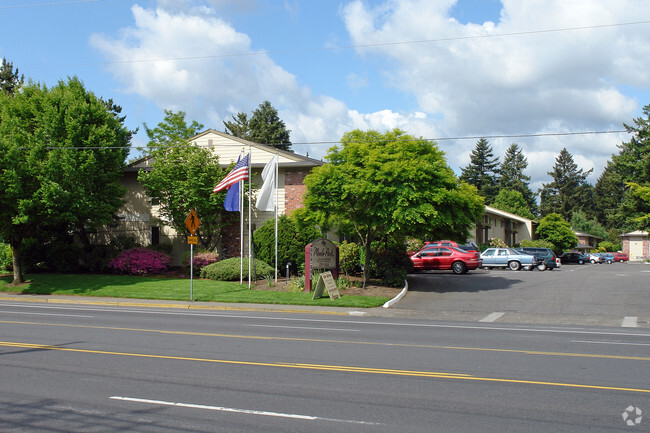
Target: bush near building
(229, 270)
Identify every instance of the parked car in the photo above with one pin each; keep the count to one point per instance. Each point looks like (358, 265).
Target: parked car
(574, 257)
(445, 258)
(595, 258)
(507, 257)
(547, 256)
(467, 246)
(621, 257)
(607, 257)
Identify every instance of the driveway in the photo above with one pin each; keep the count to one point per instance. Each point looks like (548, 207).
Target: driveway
(608, 294)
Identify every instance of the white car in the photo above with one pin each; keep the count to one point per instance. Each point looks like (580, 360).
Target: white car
(595, 258)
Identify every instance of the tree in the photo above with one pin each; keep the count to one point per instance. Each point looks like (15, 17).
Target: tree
(483, 170)
(10, 80)
(182, 178)
(391, 183)
(609, 193)
(642, 193)
(172, 130)
(513, 178)
(62, 153)
(239, 126)
(554, 229)
(569, 190)
(581, 223)
(513, 202)
(267, 128)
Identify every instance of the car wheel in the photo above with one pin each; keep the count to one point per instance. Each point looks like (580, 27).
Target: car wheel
(541, 267)
(458, 268)
(621, 260)
(514, 265)
(609, 262)
(581, 262)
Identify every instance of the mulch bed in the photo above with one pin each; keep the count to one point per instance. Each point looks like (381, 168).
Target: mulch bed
(373, 287)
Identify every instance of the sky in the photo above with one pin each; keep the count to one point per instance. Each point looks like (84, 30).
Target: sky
(545, 74)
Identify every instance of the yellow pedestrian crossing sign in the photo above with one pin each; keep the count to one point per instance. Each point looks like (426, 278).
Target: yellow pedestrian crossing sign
(192, 222)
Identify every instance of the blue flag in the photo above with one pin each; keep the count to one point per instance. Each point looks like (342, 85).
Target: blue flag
(231, 203)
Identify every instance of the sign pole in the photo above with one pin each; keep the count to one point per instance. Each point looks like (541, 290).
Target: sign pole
(191, 272)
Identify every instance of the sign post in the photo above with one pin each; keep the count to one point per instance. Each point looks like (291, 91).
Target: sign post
(320, 254)
(192, 223)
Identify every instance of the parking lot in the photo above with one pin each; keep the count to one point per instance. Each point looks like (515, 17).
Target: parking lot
(616, 294)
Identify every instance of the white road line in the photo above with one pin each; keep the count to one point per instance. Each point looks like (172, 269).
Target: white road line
(492, 316)
(306, 327)
(629, 322)
(610, 342)
(242, 411)
(44, 314)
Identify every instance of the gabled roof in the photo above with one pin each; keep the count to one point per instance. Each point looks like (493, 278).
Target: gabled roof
(229, 147)
(585, 235)
(504, 214)
(636, 233)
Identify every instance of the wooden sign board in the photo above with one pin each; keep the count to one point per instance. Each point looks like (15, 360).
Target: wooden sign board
(326, 282)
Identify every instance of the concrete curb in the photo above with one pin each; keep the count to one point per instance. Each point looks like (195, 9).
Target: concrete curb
(399, 297)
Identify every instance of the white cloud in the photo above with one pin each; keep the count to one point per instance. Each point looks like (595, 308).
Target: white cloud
(470, 81)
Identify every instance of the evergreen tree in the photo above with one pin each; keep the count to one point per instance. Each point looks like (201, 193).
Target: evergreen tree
(513, 177)
(609, 193)
(10, 80)
(569, 190)
(238, 127)
(267, 128)
(483, 170)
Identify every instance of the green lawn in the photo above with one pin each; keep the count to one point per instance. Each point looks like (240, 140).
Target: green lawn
(178, 289)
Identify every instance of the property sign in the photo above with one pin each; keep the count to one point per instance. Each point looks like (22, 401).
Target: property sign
(323, 254)
(192, 222)
(326, 282)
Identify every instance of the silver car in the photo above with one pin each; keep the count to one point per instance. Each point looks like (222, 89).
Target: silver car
(507, 257)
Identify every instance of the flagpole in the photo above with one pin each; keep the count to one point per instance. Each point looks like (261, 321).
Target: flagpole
(241, 232)
(250, 240)
(277, 163)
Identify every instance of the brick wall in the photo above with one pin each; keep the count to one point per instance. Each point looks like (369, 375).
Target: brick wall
(294, 190)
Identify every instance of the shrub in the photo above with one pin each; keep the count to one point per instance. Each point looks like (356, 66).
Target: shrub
(413, 244)
(124, 242)
(229, 270)
(141, 261)
(349, 258)
(392, 265)
(293, 236)
(6, 259)
(200, 260)
(539, 243)
(497, 243)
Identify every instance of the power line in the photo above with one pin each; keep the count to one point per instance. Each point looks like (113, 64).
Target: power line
(347, 47)
(311, 143)
(51, 4)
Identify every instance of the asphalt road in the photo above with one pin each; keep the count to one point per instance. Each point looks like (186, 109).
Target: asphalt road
(616, 294)
(82, 368)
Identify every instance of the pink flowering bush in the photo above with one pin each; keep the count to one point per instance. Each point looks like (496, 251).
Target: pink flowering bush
(200, 260)
(140, 261)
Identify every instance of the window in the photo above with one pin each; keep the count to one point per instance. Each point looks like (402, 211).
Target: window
(155, 235)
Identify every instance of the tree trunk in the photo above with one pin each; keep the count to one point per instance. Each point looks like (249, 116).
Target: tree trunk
(15, 243)
(83, 238)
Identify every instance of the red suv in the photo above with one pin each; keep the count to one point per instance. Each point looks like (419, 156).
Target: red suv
(621, 257)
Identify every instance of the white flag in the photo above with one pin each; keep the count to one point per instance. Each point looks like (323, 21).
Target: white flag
(266, 198)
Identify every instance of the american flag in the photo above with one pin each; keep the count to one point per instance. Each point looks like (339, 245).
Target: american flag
(240, 172)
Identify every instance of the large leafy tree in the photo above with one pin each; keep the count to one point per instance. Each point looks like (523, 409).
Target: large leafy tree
(265, 127)
(483, 170)
(513, 178)
(554, 229)
(182, 178)
(172, 130)
(62, 153)
(569, 190)
(513, 202)
(391, 183)
(10, 79)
